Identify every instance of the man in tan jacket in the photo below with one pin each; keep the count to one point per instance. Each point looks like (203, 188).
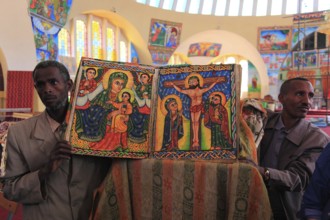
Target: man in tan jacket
(41, 172)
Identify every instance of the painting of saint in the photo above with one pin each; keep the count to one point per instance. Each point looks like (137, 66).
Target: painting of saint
(173, 126)
(216, 119)
(139, 121)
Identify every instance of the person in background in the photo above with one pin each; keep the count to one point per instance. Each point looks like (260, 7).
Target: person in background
(251, 128)
(41, 172)
(316, 200)
(289, 149)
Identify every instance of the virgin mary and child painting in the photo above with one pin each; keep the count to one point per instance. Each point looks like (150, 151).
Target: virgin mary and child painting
(136, 111)
(110, 109)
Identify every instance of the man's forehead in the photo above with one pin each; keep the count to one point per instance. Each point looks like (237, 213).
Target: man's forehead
(301, 85)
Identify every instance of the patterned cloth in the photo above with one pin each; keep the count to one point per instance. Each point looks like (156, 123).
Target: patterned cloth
(182, 189)
(20, 89)
(3, 139)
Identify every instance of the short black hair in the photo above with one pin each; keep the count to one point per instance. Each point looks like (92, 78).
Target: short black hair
(91, 68)
(286, 84)
(52, 63)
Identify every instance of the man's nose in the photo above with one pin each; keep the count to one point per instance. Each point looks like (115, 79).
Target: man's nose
(48, 88)
(307, 99)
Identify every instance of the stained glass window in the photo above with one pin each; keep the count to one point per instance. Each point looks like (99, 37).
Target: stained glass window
(81, 42)
(96, 40)
(110, 44)
(64, 42)
(123, 52)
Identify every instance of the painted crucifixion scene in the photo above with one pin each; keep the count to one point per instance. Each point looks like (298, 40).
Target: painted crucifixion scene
(196, 112)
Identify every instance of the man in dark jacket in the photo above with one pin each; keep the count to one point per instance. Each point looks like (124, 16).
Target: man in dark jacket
(289, 149)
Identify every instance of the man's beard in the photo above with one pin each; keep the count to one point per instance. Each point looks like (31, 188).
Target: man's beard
(213, 104)
(58, 106)
(193, 86)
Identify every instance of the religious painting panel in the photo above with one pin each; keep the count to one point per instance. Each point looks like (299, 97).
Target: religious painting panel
(195, 112)
(110, 109)
(164, 33)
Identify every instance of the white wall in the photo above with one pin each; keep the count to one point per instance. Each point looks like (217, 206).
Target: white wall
(16, 36)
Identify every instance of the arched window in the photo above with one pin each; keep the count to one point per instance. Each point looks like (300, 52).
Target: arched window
(81, 40)
(96, 40)
(236, 59)
(92, 36)
(110, 41)
(64, 40)
(123, 52)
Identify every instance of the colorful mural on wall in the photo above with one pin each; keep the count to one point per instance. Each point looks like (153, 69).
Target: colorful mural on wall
(302, 53)
(134, 55)
(48, 17)
(204, 49)
(53, 11)
(274, 39)
(164, 38)
(305, 59)
(277, 61)
(300, 34)
(45, 38)
(254, 82)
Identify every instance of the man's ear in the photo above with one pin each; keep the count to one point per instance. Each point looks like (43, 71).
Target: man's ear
(280, 98)
(70, 84)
